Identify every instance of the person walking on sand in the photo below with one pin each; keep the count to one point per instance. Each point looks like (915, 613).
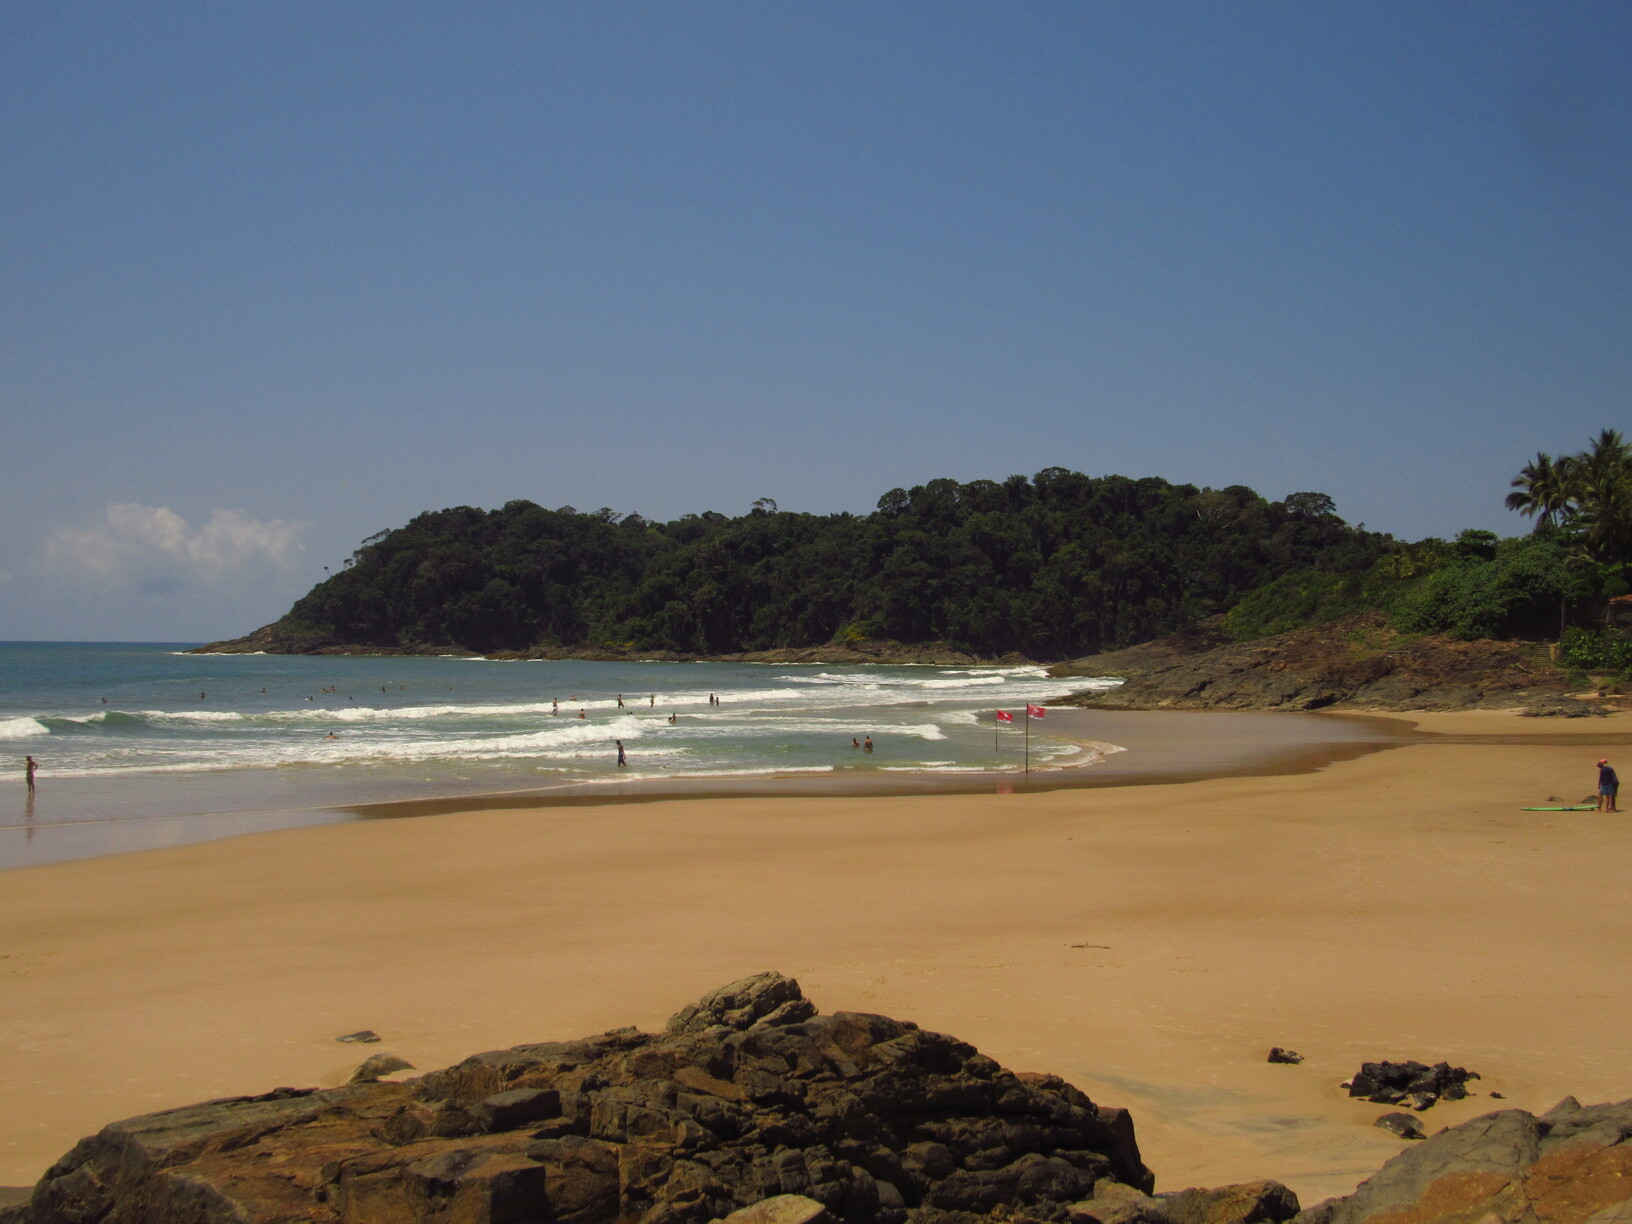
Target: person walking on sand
(622, 759)
(29, 766)
(1609, 786)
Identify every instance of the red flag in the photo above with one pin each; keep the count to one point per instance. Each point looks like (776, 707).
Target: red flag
(1004, 716)
(1035, 711)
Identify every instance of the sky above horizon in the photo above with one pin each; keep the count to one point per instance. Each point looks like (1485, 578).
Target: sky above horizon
(279, 276)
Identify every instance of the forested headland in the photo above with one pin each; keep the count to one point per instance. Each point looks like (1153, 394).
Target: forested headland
(1053, 566)
(1048, 566)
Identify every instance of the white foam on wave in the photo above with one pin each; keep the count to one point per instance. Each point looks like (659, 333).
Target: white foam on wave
(1025, 669)
(934, 767)
(873, 680)
(529, 743)
(771, 727)
(180, 718)
(22, 728)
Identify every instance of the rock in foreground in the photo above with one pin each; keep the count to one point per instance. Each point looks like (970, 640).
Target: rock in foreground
(1572, 1165)
(747, 1096)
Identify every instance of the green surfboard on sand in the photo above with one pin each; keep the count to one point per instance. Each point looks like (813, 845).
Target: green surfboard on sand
(1583, 807)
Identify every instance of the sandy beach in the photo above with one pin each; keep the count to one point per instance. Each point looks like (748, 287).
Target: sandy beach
(1147, 942)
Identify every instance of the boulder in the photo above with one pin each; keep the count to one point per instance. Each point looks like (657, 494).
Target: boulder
(1259, 1202)
(765, 997)
(1570, 1166)
(1412, 1083)
(780, 1209)
(1278, 1055)
(1401, 1124)
(1114, 1203)
(378, 1065)
(736, 1106)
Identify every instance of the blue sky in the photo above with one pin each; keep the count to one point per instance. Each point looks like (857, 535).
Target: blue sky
(276, 276)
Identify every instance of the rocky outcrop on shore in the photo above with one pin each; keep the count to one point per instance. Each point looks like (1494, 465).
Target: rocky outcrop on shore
(1572, 1165)
(272, 639)
(753, 1109)
(747, 1095)
(1357, 663)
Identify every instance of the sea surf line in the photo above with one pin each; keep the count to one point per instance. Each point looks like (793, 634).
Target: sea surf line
(128, 731)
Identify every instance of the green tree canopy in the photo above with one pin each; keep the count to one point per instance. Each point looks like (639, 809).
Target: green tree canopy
(1055, 565)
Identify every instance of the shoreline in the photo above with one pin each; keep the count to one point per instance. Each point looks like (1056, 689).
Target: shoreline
(1113, 769)
(1147, 944)
(1149, 746)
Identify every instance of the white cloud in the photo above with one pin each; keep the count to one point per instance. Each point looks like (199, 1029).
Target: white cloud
(154, 548)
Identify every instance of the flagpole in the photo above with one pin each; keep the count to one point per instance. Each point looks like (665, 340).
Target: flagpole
(997, 755)
(1028, 739)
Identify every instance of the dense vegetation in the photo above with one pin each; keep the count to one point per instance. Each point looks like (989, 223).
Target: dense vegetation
(1053, 566)
(1556, 582)
(1476, 586)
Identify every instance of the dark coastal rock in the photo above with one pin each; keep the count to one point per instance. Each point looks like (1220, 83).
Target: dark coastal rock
(1401, 1124)
(1559, 706)
(1114, 1203)
(1278, 1055)
(1412, 1083)
(740, 1101)
(1259, 1202)
(1354, 663)
(14, 1203)
(781, 1209)
(380, 1064)
(365, 1036)
(766, 998)
(1570, 1166)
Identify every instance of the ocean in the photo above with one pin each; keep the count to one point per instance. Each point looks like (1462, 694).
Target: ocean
(142, 744)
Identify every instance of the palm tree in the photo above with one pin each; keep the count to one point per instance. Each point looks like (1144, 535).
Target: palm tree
(1542, 488)
(1600, 486)
(1590, 495)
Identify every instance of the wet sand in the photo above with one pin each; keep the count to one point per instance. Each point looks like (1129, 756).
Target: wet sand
(1148, 942)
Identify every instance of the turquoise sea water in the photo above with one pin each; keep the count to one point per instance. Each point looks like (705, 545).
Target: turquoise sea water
(210, 744)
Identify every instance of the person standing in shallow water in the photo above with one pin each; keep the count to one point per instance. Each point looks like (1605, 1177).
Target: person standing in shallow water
(1609, 786)
(29, 766)
(867, 744)
(622, 759)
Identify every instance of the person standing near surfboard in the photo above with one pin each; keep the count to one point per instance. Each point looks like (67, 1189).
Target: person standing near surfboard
(1609, 786)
